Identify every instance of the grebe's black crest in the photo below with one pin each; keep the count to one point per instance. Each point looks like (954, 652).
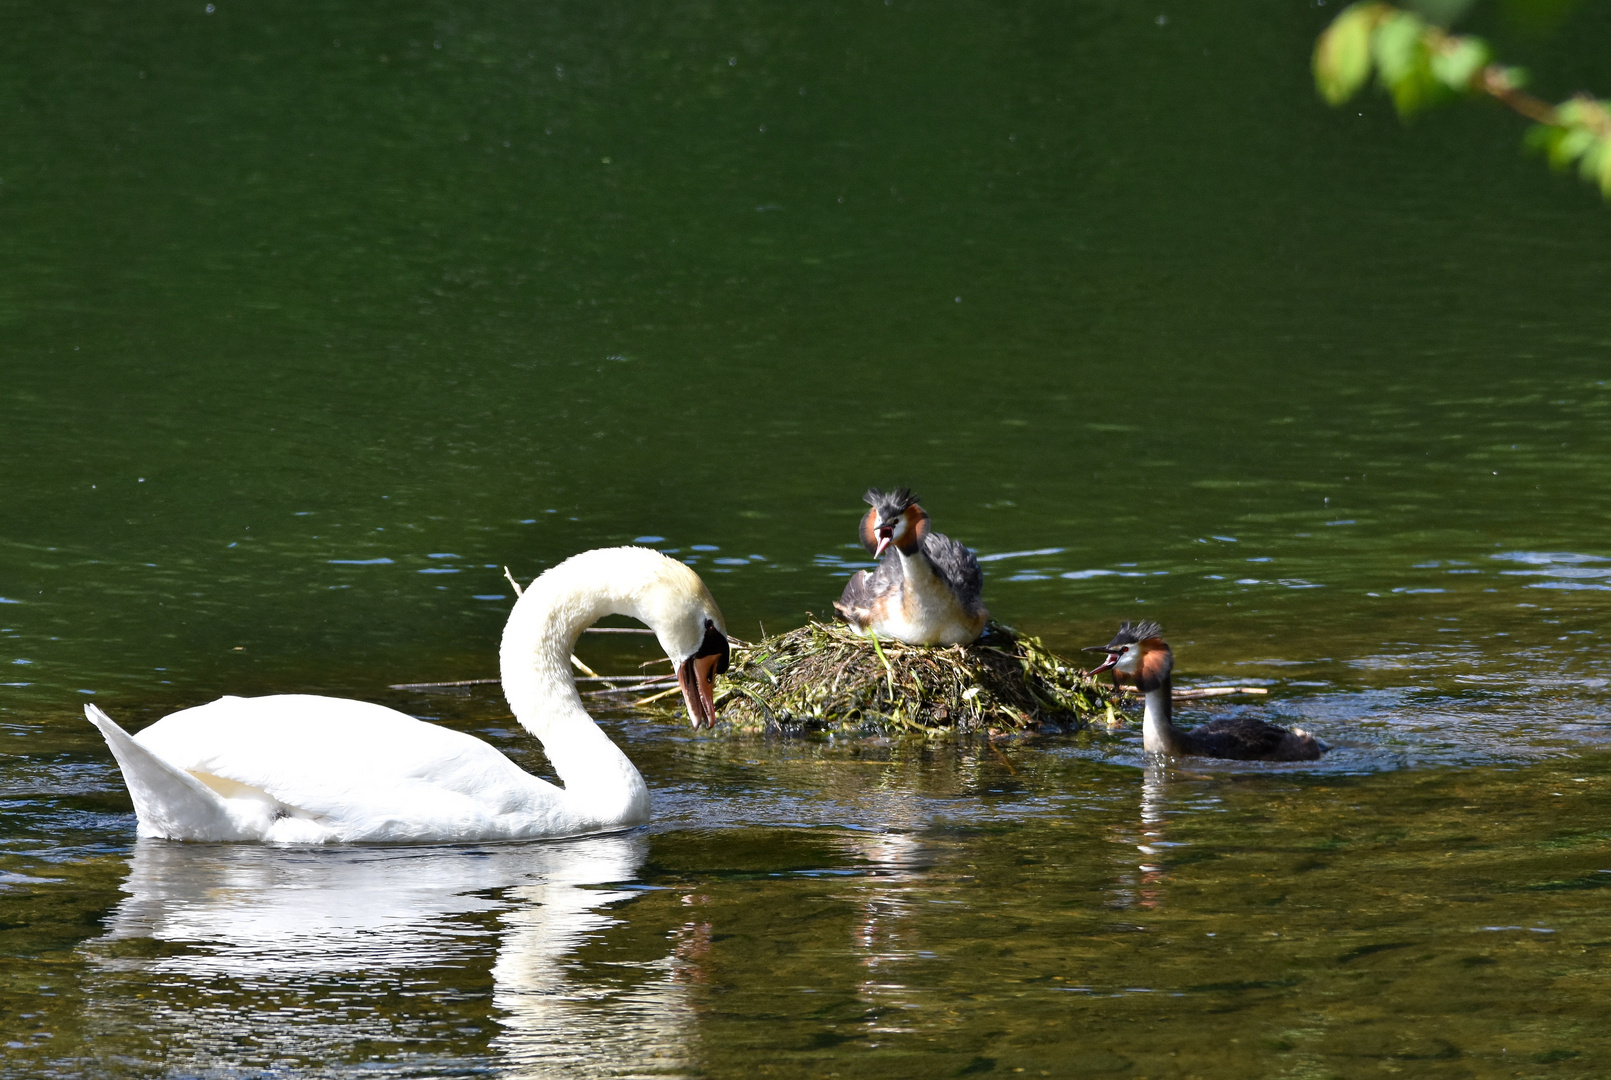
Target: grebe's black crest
(1130, 633)
(891, 504)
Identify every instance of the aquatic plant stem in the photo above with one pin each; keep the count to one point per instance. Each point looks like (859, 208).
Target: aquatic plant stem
(889, 672)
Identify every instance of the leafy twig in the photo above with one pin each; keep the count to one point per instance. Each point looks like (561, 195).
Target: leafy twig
(1421, 65)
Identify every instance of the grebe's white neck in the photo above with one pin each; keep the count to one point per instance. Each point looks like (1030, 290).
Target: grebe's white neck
(535, 654)
(1158, 735)
(917, 567)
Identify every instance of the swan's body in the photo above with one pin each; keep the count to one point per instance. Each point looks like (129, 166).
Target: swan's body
(295, 768)
(1140, 656)
(926, 587)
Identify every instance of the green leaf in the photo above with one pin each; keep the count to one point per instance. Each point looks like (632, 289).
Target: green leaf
(1542, 137)
(1342, 55)
(1604, 175)
(1574, 141)
(1397, 47)
(1592, 163)
(1458, 62)
(1403, 62)
(1570, 112)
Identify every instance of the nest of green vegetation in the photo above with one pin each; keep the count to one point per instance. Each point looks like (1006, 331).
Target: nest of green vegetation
(823, 677)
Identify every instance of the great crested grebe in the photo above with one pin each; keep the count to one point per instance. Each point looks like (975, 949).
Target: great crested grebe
(301, 769)
(925, 591)
(1139, 655)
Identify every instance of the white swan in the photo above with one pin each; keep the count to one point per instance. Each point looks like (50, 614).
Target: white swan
(295, 768)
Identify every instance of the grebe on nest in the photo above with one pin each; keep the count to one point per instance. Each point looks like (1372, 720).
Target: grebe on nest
(925, 591)
(1139, 655)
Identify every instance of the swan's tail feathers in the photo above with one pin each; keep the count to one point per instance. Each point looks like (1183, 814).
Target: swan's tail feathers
(168, 801)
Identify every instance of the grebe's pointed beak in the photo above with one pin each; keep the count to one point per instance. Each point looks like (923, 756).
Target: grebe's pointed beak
(1112, 660)
(886, 537)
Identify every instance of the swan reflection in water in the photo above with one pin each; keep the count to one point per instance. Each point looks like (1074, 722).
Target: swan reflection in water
(333, 946)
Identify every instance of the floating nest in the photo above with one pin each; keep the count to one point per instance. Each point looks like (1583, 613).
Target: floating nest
(823, 677)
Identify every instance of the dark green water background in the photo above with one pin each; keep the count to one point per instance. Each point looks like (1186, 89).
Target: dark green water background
(313, 317)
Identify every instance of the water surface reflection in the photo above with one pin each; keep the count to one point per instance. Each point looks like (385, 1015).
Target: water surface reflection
(361, 950)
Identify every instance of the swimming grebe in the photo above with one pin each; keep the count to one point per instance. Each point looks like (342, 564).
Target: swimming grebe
(297, 768)
(925, 591)
(1139, 655)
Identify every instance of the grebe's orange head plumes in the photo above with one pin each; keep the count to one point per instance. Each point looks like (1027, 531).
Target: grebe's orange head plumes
(1138, 655)
(894, 520)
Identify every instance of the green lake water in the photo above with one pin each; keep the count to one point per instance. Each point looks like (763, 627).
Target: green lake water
(314, 317)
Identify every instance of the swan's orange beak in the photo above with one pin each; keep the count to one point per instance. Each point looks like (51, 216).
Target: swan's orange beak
(698, 679)
(697, 676)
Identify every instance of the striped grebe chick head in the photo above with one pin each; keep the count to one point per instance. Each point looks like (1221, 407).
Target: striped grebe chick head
(895, 519)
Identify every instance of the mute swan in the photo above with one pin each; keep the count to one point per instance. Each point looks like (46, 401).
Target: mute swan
(296, 768)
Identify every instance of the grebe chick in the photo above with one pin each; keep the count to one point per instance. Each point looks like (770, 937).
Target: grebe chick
(926, 588)
(1139, 655)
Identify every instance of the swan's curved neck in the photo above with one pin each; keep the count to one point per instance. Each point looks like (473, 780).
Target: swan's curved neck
(600, 781)
(1158, 734)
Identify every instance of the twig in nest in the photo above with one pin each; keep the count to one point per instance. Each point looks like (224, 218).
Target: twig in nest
(433, 685)
(657, 697)
(630, 681)
(1204, 691)
(824, 677)
(889, 672)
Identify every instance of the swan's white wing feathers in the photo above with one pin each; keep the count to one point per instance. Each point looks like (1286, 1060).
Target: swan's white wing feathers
(166, 799)
(356, 770)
